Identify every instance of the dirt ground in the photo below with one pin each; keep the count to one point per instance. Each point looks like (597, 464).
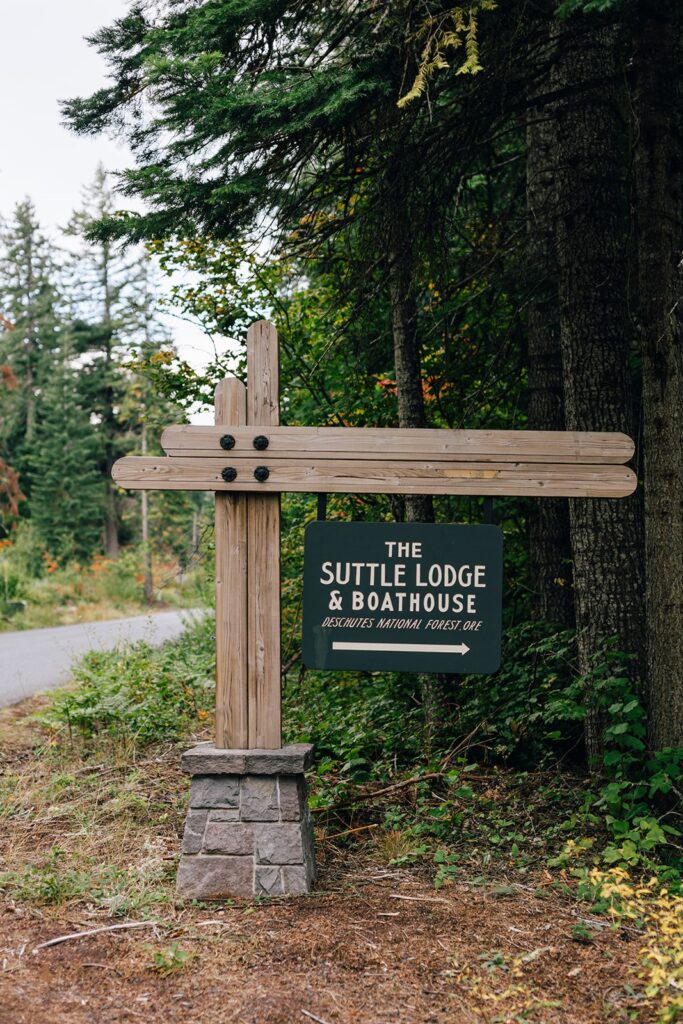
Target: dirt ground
(369, 947)
(373, 944)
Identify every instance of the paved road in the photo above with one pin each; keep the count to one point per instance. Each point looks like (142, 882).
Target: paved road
(40, 659)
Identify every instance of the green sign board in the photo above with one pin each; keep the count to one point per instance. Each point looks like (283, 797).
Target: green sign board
(402, 597)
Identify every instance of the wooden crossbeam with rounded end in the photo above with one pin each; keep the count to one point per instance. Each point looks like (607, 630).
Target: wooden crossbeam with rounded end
(354, 476)
(389, 443)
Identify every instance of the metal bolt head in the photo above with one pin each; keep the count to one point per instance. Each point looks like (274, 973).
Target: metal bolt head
(261, 473)
(261, 443)
(227, 442)
(229, 474)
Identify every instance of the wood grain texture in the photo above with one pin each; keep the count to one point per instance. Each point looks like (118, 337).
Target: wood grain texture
(390, 443)
(263, 550)
(232, 726)
(347, 476)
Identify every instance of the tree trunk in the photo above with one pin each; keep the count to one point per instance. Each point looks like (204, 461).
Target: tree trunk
(146, 551)
(594, 332)
(419, 508)
(111, 524)
(411, 411)
(659, 224)
(549, 542)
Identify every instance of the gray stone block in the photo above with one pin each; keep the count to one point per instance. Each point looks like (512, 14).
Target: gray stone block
(292, 760)
(258, 798)
(215, 877)
(194, 831)
(206, 759)
(295, 878)
(268, 882)
(279, 844)
(291, 797)
(230, 837)
(231, 814)
(212, 791)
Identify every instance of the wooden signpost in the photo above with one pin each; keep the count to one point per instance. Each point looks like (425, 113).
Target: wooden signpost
(247, 829)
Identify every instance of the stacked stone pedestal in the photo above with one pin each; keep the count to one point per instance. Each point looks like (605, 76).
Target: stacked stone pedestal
(248, 829)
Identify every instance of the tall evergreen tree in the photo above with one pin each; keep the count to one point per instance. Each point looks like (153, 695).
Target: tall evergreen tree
(107, 322)
(658, 151)
(595, 332)
(32, 312)
(68, 491)
(549, 538)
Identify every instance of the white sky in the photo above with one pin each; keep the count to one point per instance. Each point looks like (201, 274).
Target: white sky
(43, 59)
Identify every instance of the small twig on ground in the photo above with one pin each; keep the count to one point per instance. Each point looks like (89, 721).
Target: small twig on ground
(94, 931)
(379, 792)
(418, 899)
(312, 1016)
(413, 781)
(346, 832)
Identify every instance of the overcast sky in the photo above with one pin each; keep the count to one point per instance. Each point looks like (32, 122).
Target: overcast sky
(45, 59)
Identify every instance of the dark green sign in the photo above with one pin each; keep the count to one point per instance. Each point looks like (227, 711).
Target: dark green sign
(403, 597)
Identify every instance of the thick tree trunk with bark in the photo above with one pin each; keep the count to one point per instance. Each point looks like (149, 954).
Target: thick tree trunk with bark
(549, 543)
(407, 364)
(409, 393)
(146, 550)
(659, 196)
(595, 330)
(111, 512)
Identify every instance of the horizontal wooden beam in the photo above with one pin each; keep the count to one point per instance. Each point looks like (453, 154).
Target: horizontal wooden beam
(391, 443)
(359, 476)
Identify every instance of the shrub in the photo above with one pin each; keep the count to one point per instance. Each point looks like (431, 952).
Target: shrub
(137, 692)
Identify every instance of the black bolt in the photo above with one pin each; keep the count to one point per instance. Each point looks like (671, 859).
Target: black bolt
(229, 474)
(261, 443)
(227, 442)
(261, 473)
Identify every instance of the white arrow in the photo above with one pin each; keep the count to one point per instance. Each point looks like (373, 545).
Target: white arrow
(346, 645)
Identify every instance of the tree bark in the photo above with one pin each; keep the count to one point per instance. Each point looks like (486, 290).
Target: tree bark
(111, 521)
(594, 332)
(419, 508)
(409, 393)
(549, 542)
(146, 550)
(659, 219)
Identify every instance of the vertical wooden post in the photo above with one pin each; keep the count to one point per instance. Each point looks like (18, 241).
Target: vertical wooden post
(263, 550)
(232, 729)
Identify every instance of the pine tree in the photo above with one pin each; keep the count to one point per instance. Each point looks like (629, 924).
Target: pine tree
(107, 321)
(68, 490)
(32, 314)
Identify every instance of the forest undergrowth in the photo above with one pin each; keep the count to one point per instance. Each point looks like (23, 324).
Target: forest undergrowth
(39, 591)
(92, 806)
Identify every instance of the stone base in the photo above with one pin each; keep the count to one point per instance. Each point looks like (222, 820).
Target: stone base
(248, 829)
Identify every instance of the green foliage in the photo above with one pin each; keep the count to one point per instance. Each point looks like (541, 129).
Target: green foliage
(170, 960)
(139, 694)
(68, 491)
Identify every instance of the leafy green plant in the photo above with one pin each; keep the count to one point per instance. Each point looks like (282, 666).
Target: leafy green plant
(139, 693)
(170, 960)
(582, 933)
